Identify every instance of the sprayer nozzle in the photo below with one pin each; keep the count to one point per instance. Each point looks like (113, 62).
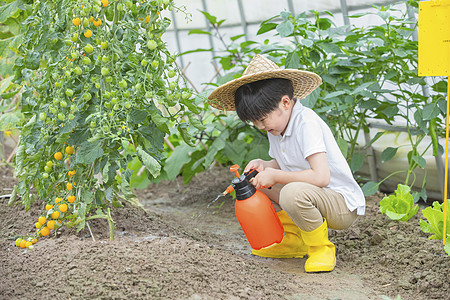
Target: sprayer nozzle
(229, 189)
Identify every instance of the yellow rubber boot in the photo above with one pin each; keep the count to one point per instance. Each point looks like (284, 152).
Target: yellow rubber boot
(291, 246)
(321, 252)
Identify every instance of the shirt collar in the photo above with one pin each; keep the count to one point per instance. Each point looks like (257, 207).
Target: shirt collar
(295, 111)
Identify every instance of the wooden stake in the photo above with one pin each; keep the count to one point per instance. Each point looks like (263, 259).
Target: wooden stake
(444, 231)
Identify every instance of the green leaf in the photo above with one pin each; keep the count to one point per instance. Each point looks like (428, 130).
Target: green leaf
(266, 27)
(391, 74)
(343, 145)
(138, 116)
(5, 84)
(125, 183)
(235, 150)
(79, 136)
(440, 87)
(261, 150)
(292, 60)
(138, 180)
(89, 152)
(420, 161)
(334, 94)
(285, 15)
(87, 196)
(195, 51)
(430, 111)
(447, 246)
(10, 120)
(330, 47)
(105, 172)
(388, 153)
(370, 188)
(362, 87)
(311, 100)
(285, 28)
(198, 31)
(236, 37)
(356, 162)
(152, 135)
(159, 120)
(195, 122)
(149, 162)
(10, 10)
(374, 139)
(210, 18)
(307, 42)
(179, 157)
(329, 79)
(218, 144)
(394, 216)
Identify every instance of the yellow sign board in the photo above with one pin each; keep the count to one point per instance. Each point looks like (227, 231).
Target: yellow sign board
(434, 38)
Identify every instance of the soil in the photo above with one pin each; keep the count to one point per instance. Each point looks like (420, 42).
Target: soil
(185, 245)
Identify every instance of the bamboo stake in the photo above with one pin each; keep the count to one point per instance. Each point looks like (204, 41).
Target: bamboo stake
(444, 231)
(11, 156)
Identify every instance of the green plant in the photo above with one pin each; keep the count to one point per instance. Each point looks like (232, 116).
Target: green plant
(399, 207)
(100, 92)
(434, 223)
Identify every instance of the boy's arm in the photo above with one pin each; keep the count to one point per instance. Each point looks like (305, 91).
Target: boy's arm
(318, 175)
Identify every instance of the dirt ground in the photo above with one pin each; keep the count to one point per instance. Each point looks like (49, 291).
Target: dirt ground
(186, 246)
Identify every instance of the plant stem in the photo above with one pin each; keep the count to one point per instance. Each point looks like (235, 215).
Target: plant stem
(116, 13)
(111, 225)
(355, 137)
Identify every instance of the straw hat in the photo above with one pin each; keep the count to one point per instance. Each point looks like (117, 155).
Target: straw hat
(262, 68)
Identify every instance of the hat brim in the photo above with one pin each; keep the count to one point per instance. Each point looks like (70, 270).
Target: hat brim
(304, 83)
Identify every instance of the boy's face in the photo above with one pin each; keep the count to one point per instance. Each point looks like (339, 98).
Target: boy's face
(276, 121)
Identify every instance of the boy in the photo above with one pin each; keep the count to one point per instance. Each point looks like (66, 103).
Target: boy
(312, 182)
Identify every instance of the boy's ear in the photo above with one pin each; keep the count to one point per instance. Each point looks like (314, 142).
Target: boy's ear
(285, 101)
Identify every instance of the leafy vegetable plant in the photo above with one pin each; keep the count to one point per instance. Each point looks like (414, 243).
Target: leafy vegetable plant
(399, 207)
(435, 221)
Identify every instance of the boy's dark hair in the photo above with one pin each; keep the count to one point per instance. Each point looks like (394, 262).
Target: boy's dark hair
(255, 100)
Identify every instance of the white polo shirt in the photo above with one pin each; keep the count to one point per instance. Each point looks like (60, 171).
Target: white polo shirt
(307, 134)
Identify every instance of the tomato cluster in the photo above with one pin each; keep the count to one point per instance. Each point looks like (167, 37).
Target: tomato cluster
(61, 207)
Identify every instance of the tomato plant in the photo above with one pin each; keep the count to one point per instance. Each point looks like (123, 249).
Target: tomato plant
(91, 105)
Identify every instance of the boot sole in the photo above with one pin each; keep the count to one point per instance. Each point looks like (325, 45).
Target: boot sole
(281, 256)
(319, 269)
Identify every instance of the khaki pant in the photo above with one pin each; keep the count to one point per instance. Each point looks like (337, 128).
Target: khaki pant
(307, 205)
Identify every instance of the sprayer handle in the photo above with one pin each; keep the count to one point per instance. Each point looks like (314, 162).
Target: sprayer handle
(250, 174)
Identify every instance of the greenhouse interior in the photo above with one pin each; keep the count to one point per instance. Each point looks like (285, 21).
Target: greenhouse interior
(243, 149)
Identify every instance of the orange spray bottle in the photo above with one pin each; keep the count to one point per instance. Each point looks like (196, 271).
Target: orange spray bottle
(255, 212)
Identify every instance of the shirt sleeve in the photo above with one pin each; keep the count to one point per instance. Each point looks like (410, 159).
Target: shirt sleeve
(310, 137)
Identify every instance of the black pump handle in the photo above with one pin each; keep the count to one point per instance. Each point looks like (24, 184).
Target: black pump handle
(250, 174)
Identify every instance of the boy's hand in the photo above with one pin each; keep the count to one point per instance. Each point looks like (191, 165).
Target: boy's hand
(257, 164)
(265, 178)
